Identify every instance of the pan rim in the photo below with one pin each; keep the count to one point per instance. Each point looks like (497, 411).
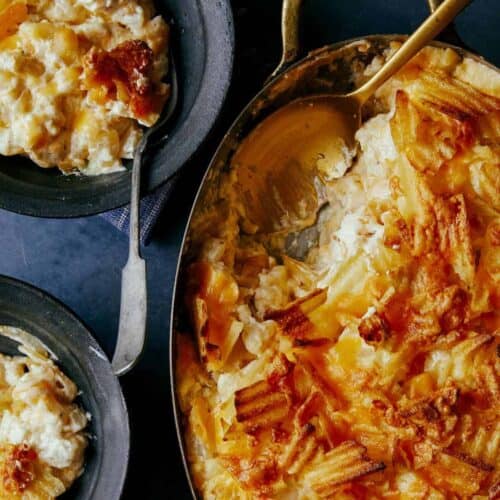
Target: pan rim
(173, 310)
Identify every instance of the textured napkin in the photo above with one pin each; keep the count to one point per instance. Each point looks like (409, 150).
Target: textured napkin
(151, 207)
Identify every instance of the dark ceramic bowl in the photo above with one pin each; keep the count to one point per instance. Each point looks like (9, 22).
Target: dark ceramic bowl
(203, 43)
(81, 358)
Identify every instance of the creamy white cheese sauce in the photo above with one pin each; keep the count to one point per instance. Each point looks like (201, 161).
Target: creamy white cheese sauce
(42, 413)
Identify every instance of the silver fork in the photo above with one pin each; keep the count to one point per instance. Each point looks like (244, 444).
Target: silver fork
(134, 301)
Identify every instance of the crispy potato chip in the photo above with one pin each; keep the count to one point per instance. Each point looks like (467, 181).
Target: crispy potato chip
(302, 449)
(439, 118)
(293, 320)
(455, 475)
(265, 403)
(344, 463)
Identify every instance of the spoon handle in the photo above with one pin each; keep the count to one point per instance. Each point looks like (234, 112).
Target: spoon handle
(449, 34)
(133, 305)
(434, 24)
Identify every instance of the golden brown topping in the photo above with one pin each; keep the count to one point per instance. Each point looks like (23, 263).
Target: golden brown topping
(432, 407)
(455, 304)
(257, 474)
(486, 295)
(124, 73)
(265, 403)
(415, 384)
(19, 469)
(397, 312)
(478, 463)
(374, 329)
(344, 463)
(438, 120)
(293, 320)
(494, 491)
(213, 294)
(454, 475)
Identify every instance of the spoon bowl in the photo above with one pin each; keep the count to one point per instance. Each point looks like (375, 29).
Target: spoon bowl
(281, 160)
(284, 162)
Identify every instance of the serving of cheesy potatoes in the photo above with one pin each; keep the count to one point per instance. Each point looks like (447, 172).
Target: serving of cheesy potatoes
(42, 429)
(370, 370)
(78, 78)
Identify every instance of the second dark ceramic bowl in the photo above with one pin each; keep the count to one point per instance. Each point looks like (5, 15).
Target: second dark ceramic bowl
(80, 357)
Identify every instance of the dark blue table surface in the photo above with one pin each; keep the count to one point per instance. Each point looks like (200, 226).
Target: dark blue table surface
(80, 261)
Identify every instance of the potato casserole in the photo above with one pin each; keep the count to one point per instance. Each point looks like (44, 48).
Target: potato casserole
(77, 77)
(372, 368)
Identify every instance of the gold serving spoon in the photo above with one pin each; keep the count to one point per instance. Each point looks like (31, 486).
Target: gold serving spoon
(279, 163)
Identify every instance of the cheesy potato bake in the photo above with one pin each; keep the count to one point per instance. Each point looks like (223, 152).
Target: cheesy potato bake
(372, 368)
(77, 77)
(42, 437)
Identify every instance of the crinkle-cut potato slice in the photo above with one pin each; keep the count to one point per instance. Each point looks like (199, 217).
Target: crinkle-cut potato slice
(439, 118)
(340, 465)
(439, 226)
(267, 402)
(463, 361)
(372, 369)
(486, 293)
(261, 405)
(488, 129)
(479, 440)
(301, 450)
(436, 139)
(294, 321)
(482, 185)
(456, 475)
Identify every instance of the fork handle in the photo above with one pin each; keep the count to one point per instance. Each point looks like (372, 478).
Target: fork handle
(133, 314)
(133, 304)
(135, 197)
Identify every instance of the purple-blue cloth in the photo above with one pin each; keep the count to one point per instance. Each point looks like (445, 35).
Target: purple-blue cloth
(151, 207)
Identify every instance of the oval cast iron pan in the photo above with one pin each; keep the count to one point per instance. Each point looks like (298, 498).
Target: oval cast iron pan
(326, 70)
